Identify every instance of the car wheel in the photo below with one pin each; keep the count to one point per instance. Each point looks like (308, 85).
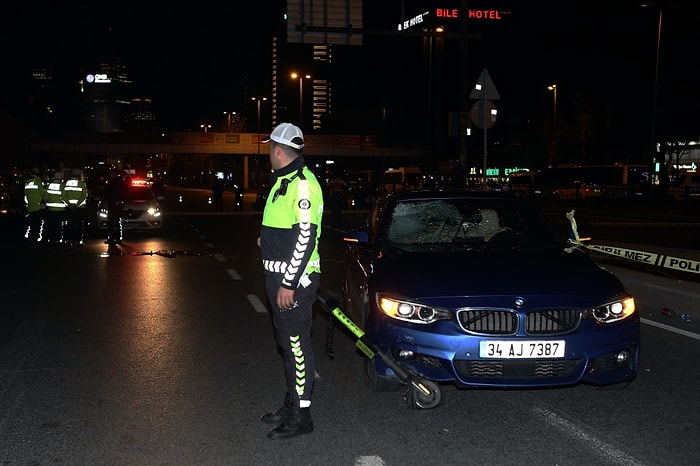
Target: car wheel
(377, 383)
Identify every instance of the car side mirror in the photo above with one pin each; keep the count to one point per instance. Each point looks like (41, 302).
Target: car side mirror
(359, 236)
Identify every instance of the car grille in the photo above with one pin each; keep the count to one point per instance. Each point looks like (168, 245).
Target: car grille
(506, 321)
(131, 213)
(489, 321)
(513, 369)
(552, 321)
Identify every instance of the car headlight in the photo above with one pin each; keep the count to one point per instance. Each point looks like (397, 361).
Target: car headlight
(103, 212)
(154, 211)
(612, 312)
(409, 311)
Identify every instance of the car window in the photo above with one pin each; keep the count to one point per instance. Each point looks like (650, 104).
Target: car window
(375, 218)
(472, 221)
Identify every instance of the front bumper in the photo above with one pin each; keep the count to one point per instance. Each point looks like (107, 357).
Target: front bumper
(594, 355)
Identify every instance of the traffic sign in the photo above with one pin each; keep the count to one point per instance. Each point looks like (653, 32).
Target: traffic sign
(477, 113)
(484, 88)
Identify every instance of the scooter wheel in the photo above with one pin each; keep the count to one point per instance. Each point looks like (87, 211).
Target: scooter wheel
(418, 399)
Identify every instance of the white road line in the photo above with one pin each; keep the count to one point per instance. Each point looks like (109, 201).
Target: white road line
(233, 274)
(599, 447)
(670, 328)
(258, 305)
(370, 460)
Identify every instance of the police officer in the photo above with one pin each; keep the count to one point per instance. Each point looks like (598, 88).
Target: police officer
(113, 198)
(291, 228)
(75, 194)
(217, 192)
(337, 188)
(56, 209)
(35, 202)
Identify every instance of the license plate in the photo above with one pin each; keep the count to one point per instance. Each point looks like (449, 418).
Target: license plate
(530, 349)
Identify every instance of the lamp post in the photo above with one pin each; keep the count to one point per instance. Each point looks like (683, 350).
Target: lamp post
(258, 100)
(553, 88)
(228, 120)
(428, 38)
(652, 144)
(205, 127)
(301, 95)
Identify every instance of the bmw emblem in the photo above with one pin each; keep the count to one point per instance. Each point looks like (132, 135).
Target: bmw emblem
(519, 302)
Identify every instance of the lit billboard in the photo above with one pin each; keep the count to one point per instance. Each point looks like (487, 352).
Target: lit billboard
(324, 22)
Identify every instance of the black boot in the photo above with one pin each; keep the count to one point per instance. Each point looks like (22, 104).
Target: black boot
(299, 423)
(282, 413)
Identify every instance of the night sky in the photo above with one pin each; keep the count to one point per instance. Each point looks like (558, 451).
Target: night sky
(196, 62)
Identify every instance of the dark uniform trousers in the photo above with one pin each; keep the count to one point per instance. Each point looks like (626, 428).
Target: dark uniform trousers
(293, 329)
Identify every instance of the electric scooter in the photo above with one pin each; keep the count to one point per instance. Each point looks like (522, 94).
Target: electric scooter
(420, 393)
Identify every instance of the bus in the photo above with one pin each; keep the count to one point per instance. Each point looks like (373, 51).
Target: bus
(402, 178)
(527, 183)
(615, 181)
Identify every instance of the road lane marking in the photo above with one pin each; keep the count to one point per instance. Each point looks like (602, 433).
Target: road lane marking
(258, 305)
(599, 447)
(233, 274)
(370, 460)
(670, 328)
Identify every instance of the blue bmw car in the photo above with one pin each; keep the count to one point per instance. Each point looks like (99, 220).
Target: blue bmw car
(478, 289)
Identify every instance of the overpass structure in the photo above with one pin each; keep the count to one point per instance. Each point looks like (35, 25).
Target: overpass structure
(221, 143)
(209, 145)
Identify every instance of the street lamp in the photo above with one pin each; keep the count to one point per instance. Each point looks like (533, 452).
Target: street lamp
(258, 100)
(228, 120)
(553, 87)
(205, 127)
(301, 95)
(652, 144)
(430, 106)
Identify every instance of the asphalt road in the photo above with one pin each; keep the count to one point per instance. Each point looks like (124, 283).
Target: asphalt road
(120, 355)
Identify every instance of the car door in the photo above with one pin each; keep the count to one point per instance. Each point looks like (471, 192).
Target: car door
(357, 259)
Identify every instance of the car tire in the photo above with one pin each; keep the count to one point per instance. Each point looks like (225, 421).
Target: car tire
(377, 383)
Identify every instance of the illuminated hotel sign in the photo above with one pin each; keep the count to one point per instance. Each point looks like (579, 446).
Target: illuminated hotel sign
(98, 78)
(453, 13)
(486, 14)
(446, 13)
(413, 21)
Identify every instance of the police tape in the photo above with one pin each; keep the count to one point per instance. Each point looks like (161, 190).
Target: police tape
(651, 258)
(658, 260)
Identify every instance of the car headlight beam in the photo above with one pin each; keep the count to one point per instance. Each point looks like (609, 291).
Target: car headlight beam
(402, 309)
(614, 311)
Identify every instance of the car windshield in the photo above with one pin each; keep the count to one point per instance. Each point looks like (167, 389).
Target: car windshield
(138, 193)
(456, 222)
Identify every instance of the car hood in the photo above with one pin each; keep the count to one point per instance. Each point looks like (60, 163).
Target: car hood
(548, 271)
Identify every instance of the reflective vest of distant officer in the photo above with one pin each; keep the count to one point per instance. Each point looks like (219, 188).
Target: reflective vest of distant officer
(34, 199)
(56, 209)
(75, 194)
